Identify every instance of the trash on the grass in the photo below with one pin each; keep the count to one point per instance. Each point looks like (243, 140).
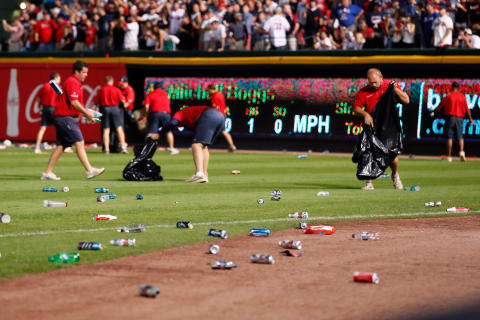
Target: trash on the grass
(184, 224)
(302, 156)
(102, 198)
(49, 203)
(291, 253)
(101, 190)
(260, 201)
(98, 217)
(5, 218)
(65, 257)
(458, 209)
(218, 233)
(323, 194)
(83, 245)
(235, 172)
(139, 196)
(133, 228)
(298, 215)
(65, 189)
(123, 242)
(47, 189)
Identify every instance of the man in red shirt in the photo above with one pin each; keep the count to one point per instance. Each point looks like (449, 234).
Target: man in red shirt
(128, 93)
(367, 98)
(69, 107)
(44, 32)
(206, 123)
(109, 98)
(90, 36)
(455, 106)
(218, 102)
(47, 98)
(157, 106)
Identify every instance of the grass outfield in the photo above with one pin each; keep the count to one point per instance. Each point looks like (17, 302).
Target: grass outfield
(226, 198)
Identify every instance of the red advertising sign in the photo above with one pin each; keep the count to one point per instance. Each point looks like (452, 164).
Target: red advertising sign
(20, 113)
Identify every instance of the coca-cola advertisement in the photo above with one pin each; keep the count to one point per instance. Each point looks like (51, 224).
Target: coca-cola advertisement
(20, 111)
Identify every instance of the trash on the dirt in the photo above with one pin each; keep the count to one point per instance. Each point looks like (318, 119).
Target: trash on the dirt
(318, 229)
(262, 258)
(49, 203)
(223, 265)
(298, 215)
(83, 245)
(65, 189)
(458, 209)
(364, 235)
(291, 253)
(235, 172)
(148, 291)
(256, 232)
(133, 228)
(214, 249)
(370, 277)
(139, 196)
(302, 225)
(123, 242)
(302, 156)
(323, 194)
(47, 189)
(5, 218)
(98, 217)
(184, 224)
(291, 244)
(218, 233)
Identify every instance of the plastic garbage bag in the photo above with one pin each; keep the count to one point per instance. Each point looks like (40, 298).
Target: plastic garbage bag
(143, 168)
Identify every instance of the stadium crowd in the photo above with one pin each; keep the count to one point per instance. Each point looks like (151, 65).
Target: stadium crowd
(221, 25)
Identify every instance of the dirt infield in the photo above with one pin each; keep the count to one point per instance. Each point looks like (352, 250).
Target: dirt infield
(425, 266)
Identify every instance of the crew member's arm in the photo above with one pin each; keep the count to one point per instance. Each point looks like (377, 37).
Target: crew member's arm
(470, 117)
(404, 98)
(77, 105)
(367, 118)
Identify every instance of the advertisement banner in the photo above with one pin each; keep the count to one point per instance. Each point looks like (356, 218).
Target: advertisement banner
(20, 112)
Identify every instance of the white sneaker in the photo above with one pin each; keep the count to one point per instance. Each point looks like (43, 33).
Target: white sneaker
(397, 183)
(124, 148)
(462, 156)
(38, 151)
(68, 150)
(49, 176)
(197, 178)
(449, 159)
(368, 185)
(173, 151)
(94, 172)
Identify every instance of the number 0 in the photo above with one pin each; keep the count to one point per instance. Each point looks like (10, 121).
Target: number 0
(278, 126)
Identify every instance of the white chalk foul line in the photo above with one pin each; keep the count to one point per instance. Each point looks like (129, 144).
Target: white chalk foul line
(213, 223)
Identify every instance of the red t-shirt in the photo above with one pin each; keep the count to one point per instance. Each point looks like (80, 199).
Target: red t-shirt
(188, 117)
(158, 101)
(129, 95)
(90, 33)
(72, 90)
(109, 96)
(454, 104)
(45, 30)
(47, 96)
(61, 31)
(218, 102)
(368, 97)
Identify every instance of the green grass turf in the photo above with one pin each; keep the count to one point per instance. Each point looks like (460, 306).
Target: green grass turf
(226, 198)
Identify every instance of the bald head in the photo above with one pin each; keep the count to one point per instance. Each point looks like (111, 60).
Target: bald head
(375, 78)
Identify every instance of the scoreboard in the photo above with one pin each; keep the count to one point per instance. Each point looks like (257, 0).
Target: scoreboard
(317, 107)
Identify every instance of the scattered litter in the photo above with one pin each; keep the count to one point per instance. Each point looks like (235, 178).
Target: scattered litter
(148, 291)
(98, 217)
(291, 253)
(385, 176)
(302, 225)
(101, 190)
(184, 224)
(323, 194)
(133, 228)
(262, 258)
(276, 195)
(302, 156)
(5, 218)
(290, 244)
(123, 242)
(260, 201)
(299, 215)
(256, 232)
(433, 204)
(139, 196)
(89, 245)
(102, 198)
(324, 230)
(214, 249)
(458, 209)
(65, 257)
(65, 189)
(48, 203)
(364, 235)
(218, 233)
(111, 196)
(46, 189)
(235, 172)
(370, 277)
(412, 188)
(223, 264)
(7, 143)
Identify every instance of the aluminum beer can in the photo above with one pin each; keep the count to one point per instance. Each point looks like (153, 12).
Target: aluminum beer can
(370, 277)
(290, 244)
(299, 215)
(223, 264)
(123, 242)
(429, 204)
(89, 246)
(438, 203)
(218, 233)
(214, 249)
(184, 224)
(262, 258)
(148, 291)
(58, 90)
(101, 190)
(139, 196)
(133, 229)
(111, 196)
(302, 225)
(46, 189)
(259, 232)
(260, 201)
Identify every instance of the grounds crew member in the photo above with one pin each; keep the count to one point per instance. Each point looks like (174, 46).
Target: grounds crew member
(218, 102)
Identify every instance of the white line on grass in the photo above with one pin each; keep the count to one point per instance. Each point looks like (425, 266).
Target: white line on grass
(212, 223)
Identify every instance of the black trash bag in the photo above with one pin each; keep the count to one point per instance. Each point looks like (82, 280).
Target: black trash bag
(377, 147)
(143, 168)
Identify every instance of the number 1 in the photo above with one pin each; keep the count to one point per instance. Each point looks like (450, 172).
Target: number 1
(250, 124)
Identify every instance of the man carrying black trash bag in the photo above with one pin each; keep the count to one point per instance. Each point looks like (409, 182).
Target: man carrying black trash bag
(380, 142)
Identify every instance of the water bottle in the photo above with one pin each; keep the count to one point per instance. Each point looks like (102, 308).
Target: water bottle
(458, 209)
(101, 190)
(49, 203)
(123, 242)
(89, 245)
(323, 194)
(366, 236)
(98, 217)
(299, 215)
(133, 228)
(13, 105)
(111, 196)
(45, 189)
(65, 257)
(290, 244)
(96, 116)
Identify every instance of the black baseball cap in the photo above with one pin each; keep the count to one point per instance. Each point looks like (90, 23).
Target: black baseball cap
(123, 79)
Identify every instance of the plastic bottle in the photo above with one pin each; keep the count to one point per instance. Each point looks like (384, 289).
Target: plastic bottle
(299, 215)
(49, 203)
(98, 217)
(290, 244)
(65, 257)
(458, 209)
(323, 194)
(133, 229)
(13, 106)
(366, 236)
(123, 242)
(101, 190)
(45, 189)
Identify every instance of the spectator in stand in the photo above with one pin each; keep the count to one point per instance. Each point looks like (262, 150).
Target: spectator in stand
(44, 32)
(473, 8)
(175, 17)
(105, 27)
(348, 15)
(398, 29)
(118, 33)
(471, 40)
(90, 36)
(131, 34)
(81, 33)
(238, 34)
(151, 15)
(294, 27)
(372, 42)
(248, 18)
(461, 15)
(428, 18)
(186, 35)
(260, 37)
(217, 36)
(387, 26)
(442, 29)
(408, 38)
(312, 17)
(322, 41)
(277, 27)
(60, 32)
(375, 18)
(16, 30)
